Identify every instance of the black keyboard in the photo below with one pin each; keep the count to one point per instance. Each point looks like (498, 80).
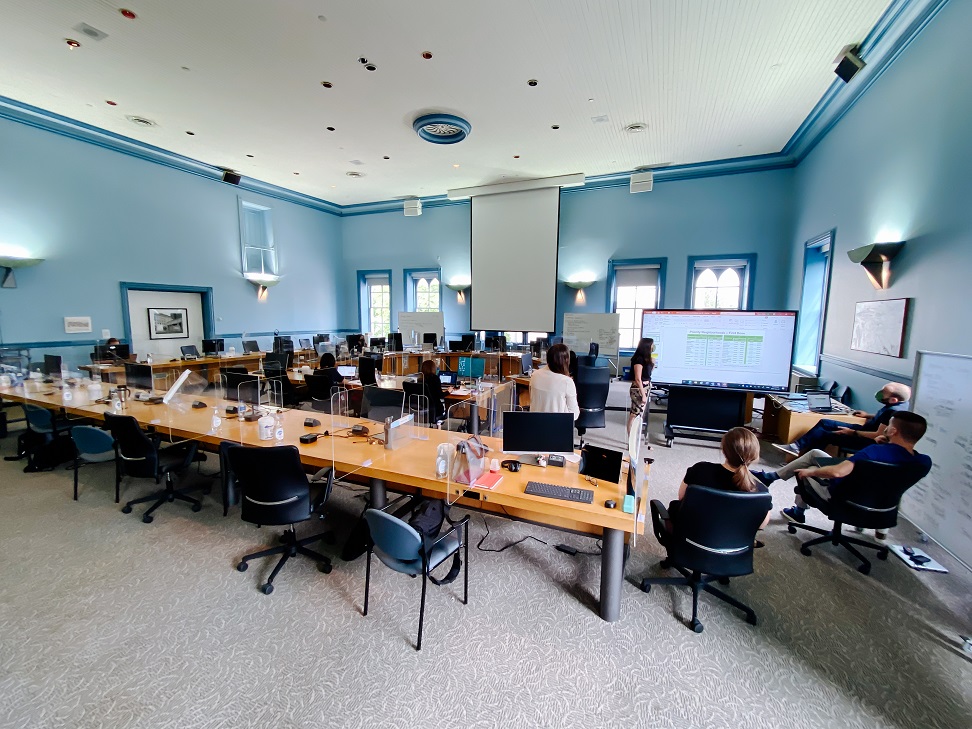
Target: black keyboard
(550, 491)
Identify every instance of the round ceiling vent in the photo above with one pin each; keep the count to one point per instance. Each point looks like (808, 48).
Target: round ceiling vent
(141, 121)
(352, 173)
(636, 128)
(442, 128)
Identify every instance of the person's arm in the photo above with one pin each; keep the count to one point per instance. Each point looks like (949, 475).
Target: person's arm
(636, 371)
(681, 490)
(862, 414)
(838, 470)
(869, 434)
(571, 396)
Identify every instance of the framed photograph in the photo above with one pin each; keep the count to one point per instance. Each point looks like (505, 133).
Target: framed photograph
(168, 323)
(879, 326)
(77, 324)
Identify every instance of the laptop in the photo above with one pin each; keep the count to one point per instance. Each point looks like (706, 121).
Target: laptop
(347, 370)
(819, 402)
(448, 378)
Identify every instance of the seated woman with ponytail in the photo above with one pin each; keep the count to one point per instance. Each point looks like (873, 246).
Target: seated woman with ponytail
(740, 450)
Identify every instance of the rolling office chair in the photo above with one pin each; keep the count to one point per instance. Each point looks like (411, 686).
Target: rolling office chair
(378, 403)
(43, 428)
(92, 445)
(367, 368)
(868, 498)
(141, 455)
(587, 360)
(399, 546)
(419, 401)
(710, 538)
(276, 492)
(319, 391)
(842, 394)
(593, 387)
(826, 386)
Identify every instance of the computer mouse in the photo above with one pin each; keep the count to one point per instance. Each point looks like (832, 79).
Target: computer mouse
(611, 504)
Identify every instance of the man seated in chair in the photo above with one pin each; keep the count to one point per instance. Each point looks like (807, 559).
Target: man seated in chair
(823, 473)
(893, 398)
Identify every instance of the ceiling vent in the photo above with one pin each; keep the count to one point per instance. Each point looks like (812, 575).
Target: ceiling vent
(636, 128)
(413, 208)
(90, 31)
(442, 128)
(141, 121)
(353, 173)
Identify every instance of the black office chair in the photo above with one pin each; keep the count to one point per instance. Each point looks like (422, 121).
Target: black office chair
(276, 492)
(593, 387)
(141, 455)
(319, 390)
(366, 371)
(281, 391)
(243, 386)
(842, 394)
(826, 386)
(587, 360)
(419, 401)
(378, 403)
(867, 498)
(711, 537)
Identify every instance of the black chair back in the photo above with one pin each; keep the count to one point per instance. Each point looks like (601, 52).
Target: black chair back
(273, 484)
(378, 403)
(139, 452)
(593, 386)
(366, 370)
(714, 530)
(242, 386)
(318, 386)
(587, 360)
(869, 497)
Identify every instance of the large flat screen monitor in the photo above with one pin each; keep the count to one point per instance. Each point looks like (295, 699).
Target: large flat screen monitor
(213, 346)
(52, 364)
(473, 367)
(735, 350)
(529, 433)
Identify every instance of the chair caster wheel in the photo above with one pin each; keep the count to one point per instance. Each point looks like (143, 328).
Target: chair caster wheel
(197, 507)
(266, 589)
(645, 586)
(864, 569)
(882, 555)
(791, 529)
(126, 509)
(751, 619)
(696, 626)
(325, 568)
(804, 551)
(723, 580)
(242, 567)
(148, 519)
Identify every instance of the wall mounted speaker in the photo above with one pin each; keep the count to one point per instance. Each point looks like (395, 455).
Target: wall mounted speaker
(232, 178)
(413, 207)
(642, 181)
(848, 63)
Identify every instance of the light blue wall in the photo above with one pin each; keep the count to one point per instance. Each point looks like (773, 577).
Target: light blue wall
(99, 217)
(438, 238)
(897, 167)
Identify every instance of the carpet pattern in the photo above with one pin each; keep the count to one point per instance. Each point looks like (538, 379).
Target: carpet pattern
(109, 622)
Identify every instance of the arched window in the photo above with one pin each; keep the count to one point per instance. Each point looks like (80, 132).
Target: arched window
(720, 284)
(706, 290)
(728, 295)
(423, 291)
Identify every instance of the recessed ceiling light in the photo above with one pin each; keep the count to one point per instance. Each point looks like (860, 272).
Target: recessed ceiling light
(636, 128)
(141, 121)
(371, 67)
(353, 173)
(532, 82)
(555, 126)
(330, 129)
(191, 134)
(296, 173)
(127, 13)
(111, 103)
(455, 167)
(249, 155)
(362, 60)
(72, 44)
(427, 55)
(333, 186)
(386, 157)
(327, 84)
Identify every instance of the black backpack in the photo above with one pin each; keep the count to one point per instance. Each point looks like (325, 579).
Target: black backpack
(427, 518)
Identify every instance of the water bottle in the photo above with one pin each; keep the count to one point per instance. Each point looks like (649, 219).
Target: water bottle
(148, 358)
(217, 421)
(278, 431)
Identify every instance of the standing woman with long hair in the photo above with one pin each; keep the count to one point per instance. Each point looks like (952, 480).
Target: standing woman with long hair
(641, 367)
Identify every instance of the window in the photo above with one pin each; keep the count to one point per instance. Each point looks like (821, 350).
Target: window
(423, 291)
(256, 240)
(636, 288)
(375, 302)
(720, 283)
(513, 337)
(813, 303)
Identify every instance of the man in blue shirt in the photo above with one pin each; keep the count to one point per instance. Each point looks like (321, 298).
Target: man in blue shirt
(823, 472)
(893, 398)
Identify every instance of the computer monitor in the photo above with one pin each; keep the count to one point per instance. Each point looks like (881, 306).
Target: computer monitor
(448, 378)
(321, 339)
(601, 464)
(472, 367)
(489, 343)
(499, 343)
(528, 433)
(347, 370)
(283, 344)
(138, 375)
(468, 342)
(276, 362)
(355, 343)
(251, 346)
(456, 346)
(377, 342)
(111, 352)
(304, 343)
(189, 350)
(366, 371)
(527, 362)
(395, 342)
(52, 365)
(430, 338)
(213, 346)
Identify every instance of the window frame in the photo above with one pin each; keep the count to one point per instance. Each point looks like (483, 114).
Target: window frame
(825, 240)
(410, 282)
(747, 285)
(614, 264)
(364, 303)
(266, 215)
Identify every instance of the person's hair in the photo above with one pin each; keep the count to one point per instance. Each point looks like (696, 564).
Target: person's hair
(902, 392)
(644, 351)
(910, 426)
(112, 341)
(740, 447)
(428, 367)
(327, 360)
(558, 359)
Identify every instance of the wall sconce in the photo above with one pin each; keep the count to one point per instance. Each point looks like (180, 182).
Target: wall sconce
(580, 283)
(460, 289)
(7, 266)
(262, 281)
(876, 259)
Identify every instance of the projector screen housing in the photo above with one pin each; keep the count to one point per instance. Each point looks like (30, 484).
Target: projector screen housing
(734, 350)
(514, 260)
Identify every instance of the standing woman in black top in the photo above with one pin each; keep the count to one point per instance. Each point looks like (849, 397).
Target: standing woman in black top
(641, 367)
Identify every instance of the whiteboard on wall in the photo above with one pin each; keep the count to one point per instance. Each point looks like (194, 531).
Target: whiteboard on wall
(420, 322)
(582, 329)
(941, 503)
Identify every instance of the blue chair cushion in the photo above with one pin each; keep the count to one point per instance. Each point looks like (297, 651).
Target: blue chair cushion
(440, 552)
(94, 444)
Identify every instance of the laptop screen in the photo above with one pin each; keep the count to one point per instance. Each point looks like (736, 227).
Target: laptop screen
(347, 371)
(818, 400)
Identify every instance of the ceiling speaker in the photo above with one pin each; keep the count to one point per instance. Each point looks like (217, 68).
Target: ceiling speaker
(232, 178)
(413, 207)
(642, 181)
(848, 63)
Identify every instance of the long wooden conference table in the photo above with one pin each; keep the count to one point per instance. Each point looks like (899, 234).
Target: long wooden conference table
(409, 468)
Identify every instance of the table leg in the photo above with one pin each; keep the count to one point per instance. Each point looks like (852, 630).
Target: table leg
(378, 496)
(612, 574)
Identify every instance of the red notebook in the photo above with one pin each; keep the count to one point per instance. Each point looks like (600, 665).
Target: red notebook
(488, 480)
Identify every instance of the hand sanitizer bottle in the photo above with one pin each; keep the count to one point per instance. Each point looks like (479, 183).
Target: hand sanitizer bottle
(278, 431)
(148, 358)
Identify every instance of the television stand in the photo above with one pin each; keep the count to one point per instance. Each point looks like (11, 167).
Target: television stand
(703, 413)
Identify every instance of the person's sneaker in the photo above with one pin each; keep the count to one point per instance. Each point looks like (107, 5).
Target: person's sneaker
(881, 534)
(794, 513)
(789, 448)
(765, 477)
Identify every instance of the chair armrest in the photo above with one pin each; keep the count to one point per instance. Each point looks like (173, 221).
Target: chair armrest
(400, 499)
(659, 516)
(462, 522)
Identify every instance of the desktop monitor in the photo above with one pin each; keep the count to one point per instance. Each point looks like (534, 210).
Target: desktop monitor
(283, 344)
(395, 342)
(321, 339)
(499, 343)
(377, 342)
(138, 375)
(528, 433)
(601, 464)
(472, 367)
(489, 344)
(448, 378)
(111, 352)
(213, 346)
(189, 350)
(304, 343)
(276, 362)
(52, 365)
(468, 342)
(527, 362)
(456, 346)
(366, 371)
(430, 338)
(251, 346)
(355, 343)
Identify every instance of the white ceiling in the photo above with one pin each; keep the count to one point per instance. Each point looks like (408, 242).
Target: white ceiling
(713, 79)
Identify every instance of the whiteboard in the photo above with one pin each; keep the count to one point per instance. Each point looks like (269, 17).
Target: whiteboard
(420, 322)
(582, 329)
(941, 503)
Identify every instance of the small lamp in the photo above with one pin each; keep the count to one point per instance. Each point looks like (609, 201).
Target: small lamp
(262, 281)
(460, 289)
(7, 266)
(580, 283)
(876, 259)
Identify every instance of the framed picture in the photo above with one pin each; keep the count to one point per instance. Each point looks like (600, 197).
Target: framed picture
(168, 323)
(879, 326)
